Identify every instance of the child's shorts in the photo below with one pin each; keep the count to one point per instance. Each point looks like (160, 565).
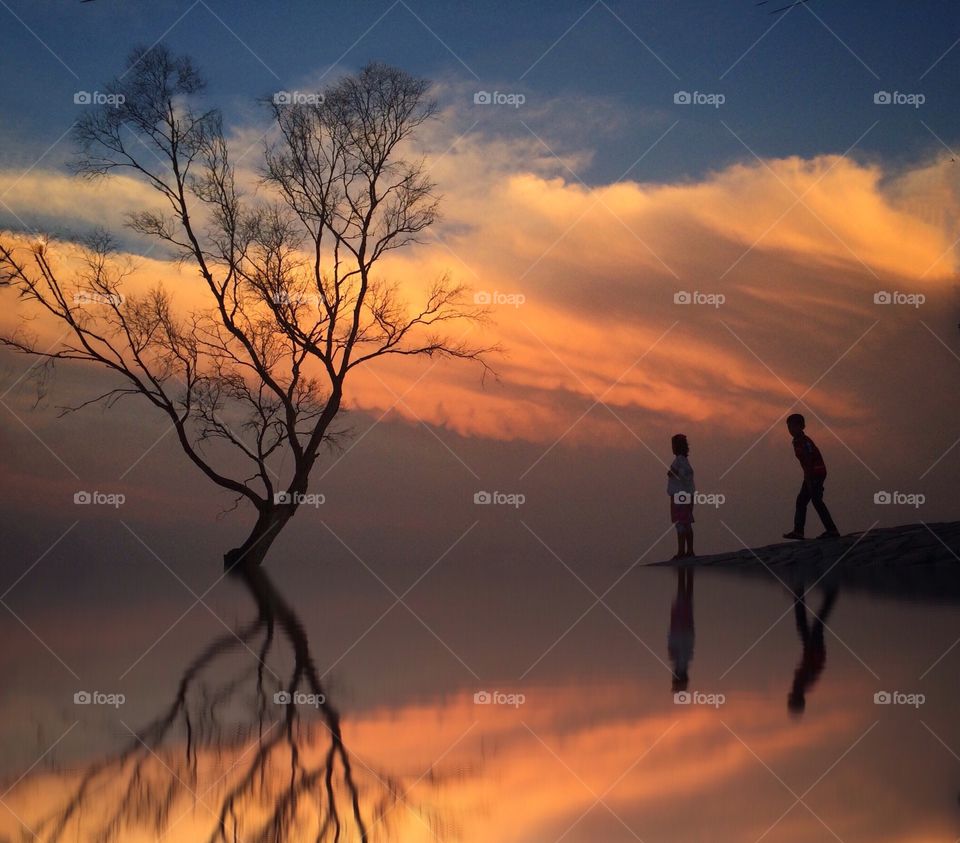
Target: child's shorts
(681, 514)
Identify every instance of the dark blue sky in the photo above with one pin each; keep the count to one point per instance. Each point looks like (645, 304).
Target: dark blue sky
(805, 87)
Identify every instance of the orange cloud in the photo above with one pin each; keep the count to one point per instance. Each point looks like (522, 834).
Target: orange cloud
(588, 275)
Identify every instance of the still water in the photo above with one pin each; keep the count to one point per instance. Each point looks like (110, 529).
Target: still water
(705, 706)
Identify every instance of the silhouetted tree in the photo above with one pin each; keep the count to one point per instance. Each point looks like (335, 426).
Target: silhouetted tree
(293, 303)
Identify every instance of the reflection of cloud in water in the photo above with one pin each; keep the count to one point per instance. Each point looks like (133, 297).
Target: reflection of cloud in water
(471, 771)
(475, 773)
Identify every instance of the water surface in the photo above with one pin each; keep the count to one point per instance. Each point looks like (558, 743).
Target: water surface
(528, 706)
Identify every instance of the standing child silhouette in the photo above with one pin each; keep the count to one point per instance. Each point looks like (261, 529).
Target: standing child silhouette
(680, 488)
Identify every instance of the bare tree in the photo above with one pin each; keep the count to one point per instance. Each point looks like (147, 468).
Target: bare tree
(293, 299)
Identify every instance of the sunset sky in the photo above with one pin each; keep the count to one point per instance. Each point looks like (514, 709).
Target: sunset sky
(595, 202)
(685, 217)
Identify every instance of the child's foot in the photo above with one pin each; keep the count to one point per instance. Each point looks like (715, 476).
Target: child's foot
(676, 557)
(829, 534)
(793, 534)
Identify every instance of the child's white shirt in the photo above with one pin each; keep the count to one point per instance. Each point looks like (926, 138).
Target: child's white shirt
(683, 482)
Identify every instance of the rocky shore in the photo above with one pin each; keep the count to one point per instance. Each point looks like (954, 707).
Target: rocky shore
(913, 561)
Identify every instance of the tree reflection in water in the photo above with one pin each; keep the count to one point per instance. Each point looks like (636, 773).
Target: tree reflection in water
(234, 748)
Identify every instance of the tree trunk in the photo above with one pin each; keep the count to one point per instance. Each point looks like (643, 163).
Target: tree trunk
(252, 552)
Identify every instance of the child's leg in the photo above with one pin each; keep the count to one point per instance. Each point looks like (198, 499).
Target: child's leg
(680, 541)
(816, 495)
(688, 535)
(800, 514)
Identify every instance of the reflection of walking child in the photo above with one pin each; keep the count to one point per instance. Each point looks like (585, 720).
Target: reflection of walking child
(680, 488)
(680, 638)
(814, 649)
(814, 475)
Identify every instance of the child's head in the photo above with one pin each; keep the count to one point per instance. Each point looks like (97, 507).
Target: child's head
(679, 444)
(795, 424)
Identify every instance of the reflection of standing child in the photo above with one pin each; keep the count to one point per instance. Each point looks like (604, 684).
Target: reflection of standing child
(680, 488)
(680, 638)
